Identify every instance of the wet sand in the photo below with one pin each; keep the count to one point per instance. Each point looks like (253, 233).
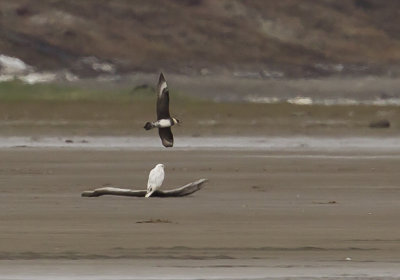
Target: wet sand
(263, 214)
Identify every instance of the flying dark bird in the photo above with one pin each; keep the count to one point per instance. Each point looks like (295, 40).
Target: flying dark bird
(164, 120)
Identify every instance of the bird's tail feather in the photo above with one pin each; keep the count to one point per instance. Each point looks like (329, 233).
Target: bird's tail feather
(149, 194)
(148, 126)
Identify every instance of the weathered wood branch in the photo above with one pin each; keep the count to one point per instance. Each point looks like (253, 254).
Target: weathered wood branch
(181, 191)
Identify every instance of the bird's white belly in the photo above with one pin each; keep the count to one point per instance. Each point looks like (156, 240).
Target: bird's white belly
(163, 123)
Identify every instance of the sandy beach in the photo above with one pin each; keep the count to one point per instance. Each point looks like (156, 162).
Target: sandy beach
(264, 214)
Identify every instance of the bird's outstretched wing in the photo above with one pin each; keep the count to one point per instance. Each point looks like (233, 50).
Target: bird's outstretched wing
(162, 99)
(166, 136)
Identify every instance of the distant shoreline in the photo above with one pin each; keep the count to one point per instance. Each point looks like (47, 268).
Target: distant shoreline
(290, 143)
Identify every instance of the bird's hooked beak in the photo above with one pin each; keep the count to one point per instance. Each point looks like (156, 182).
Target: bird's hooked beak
(160, 165)
(178, 122)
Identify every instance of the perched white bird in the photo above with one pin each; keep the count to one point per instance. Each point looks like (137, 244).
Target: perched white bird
(156, 178)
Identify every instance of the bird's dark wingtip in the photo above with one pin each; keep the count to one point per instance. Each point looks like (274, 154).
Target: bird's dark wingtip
(167, 144)
(162, 78)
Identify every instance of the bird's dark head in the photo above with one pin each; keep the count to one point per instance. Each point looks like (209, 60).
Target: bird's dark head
(176, 121)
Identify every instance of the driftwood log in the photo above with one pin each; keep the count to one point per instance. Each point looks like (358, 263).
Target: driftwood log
(181, 191)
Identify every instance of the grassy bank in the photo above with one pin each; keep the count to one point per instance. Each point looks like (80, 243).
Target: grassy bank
(43, 109)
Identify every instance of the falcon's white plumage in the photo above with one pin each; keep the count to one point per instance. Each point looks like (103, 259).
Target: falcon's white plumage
(156, 178)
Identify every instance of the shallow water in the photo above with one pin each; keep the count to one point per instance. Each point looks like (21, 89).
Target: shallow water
(194, 143)
(193, 270)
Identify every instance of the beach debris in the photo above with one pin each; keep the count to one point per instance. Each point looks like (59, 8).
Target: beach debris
(154, 221)
(176, 192)
(379, 124)
(259, 188)
(323, 202)
(348, 259)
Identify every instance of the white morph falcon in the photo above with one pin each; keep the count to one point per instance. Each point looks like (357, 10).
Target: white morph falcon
(156, 178)
(164, 120)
